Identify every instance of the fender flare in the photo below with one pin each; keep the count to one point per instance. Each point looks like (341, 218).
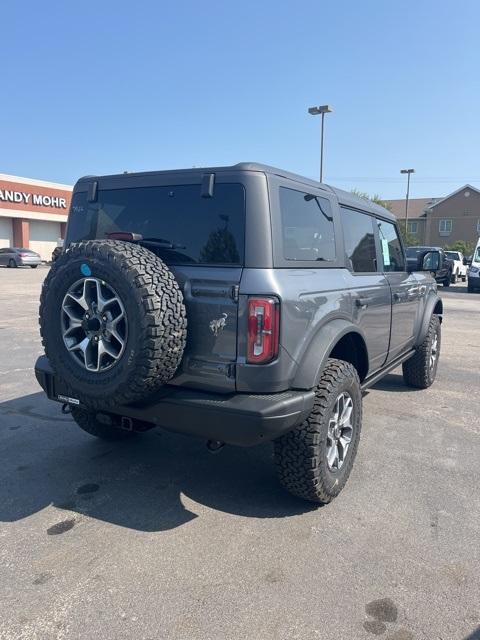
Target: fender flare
(433, 305)
(315, 356)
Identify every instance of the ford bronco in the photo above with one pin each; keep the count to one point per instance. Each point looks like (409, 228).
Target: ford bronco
(240, 304)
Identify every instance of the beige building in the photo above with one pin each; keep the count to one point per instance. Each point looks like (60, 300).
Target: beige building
(33, 213)
(442, 221)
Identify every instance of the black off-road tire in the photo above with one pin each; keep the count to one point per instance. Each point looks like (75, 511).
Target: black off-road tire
(454, 278)
(87, 421)
(447, 281)
(156, 315)
(464, 278)
(417, 370)
(301, 454)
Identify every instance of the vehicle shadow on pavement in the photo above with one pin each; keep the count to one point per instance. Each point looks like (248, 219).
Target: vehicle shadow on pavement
(146, 483)
(393, 382)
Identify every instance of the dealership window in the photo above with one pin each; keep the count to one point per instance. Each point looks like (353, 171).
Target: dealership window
(412, 227)
(445, 227)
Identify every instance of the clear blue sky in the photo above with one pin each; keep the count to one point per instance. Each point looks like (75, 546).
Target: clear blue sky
(106, 86)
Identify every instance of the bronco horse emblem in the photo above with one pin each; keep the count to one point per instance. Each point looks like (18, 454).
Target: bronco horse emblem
(218, 324)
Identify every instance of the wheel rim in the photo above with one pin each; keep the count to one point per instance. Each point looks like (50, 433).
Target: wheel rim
(94, 324)
(434, 352)
(340, 431)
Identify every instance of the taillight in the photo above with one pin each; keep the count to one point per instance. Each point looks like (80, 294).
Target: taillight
(263, 330)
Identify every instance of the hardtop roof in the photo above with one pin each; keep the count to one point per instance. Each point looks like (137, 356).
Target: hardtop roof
(344, 197)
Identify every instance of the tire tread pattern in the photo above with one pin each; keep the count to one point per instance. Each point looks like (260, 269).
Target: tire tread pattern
(416, 370)
(300, 466)
(162, 312)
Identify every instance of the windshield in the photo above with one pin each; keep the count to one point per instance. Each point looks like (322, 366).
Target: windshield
(413, 252)
(180, 225)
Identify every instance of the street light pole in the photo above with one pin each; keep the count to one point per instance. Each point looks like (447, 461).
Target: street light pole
(408, 172)
(315, 111)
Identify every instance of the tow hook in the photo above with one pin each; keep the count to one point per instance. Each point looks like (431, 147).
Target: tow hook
(215, 446)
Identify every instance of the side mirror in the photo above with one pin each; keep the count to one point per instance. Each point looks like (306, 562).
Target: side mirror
(430, 261)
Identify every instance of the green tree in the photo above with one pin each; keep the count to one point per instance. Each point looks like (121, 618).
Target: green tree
(461, 245)
(375, 198)
(408, 239)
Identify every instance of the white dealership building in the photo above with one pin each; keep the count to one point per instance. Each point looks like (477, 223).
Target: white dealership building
(33, 213)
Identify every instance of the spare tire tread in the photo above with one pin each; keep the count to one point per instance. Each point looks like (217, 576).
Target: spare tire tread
(163, 321)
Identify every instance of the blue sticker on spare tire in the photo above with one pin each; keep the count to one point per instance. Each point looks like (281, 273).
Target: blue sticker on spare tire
(85, 269)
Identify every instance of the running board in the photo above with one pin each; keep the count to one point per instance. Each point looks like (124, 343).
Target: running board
(369, 382)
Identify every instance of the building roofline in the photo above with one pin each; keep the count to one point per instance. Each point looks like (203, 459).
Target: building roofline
(35, 183)
(465, 186)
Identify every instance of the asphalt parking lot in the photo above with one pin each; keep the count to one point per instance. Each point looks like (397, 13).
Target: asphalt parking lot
(159, 539)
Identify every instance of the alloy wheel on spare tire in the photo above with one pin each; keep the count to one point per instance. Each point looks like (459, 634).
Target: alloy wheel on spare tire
(113, 322)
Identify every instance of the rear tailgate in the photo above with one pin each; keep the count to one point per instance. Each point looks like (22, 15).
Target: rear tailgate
(211, 300)
(196, 224)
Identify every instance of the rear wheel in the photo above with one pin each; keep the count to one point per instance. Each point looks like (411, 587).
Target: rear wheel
(448, 279)
(464, 278)
(87, 420)
(34, 266)
(420, 370)
(314, 460)
(454, 278)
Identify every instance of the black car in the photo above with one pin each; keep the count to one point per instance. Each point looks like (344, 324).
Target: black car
(441, 265)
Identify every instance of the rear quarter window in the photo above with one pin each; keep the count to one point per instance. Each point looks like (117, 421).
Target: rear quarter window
(307, 227)
(194, 229)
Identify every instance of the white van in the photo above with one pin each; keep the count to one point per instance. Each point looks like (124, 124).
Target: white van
(474, 270)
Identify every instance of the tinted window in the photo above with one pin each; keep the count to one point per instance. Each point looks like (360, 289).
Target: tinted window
(191, 229)
(307, 226)
(453, 255)
(392, 252)
(359, 241)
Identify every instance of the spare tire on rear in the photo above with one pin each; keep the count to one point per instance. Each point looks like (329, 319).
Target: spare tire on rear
(113, 322)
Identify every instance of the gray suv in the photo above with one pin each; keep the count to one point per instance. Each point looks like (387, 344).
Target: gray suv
(239, 304)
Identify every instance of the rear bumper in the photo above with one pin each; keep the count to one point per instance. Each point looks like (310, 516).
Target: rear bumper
(28, 262)
(239, 419)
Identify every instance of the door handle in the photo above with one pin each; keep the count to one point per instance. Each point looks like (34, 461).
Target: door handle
(362, 303)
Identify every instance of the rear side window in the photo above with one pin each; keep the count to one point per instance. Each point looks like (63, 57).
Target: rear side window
(392, 252)
(189, 229)
(359, 240)
(307, 227)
